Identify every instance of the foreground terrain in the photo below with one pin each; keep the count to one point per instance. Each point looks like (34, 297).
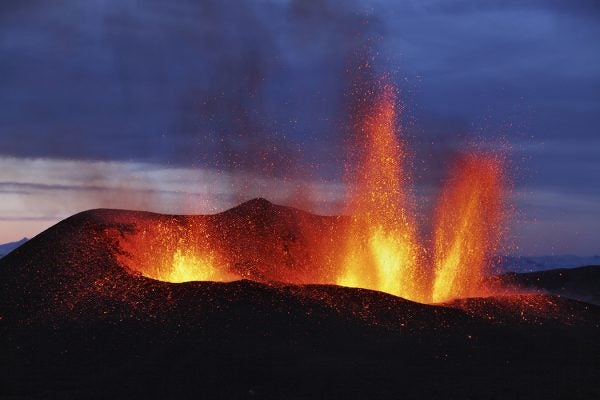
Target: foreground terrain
(76, 322)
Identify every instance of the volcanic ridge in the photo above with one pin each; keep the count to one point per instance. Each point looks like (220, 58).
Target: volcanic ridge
(81, 316)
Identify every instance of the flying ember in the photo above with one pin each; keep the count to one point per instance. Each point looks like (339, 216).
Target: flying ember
(380, 247)
(382, 250)
(468, 226)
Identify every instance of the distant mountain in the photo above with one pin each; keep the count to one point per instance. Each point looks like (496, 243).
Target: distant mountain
(543, 263)
(8, 247)
(582, 283)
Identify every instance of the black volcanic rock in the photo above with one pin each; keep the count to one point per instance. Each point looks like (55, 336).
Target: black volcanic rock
(75, 323)
(581, 283)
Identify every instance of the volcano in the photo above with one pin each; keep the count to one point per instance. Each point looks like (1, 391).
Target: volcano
(91, 308)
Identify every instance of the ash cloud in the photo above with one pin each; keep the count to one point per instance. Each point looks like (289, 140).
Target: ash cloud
(237, 86)
(264, 85)
(240, 85)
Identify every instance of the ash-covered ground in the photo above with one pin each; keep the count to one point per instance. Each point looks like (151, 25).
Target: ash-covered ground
(75, 323)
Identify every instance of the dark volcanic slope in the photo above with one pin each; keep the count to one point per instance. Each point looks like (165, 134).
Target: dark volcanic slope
(75, 323)
(576, 283)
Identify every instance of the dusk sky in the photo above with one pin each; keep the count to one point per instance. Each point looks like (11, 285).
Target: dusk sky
(193, 106)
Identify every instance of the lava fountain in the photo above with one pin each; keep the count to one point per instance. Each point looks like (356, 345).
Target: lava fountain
(382, 250)
(378, 247)
(468, 226)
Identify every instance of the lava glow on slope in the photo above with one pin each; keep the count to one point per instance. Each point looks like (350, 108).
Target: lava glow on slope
(380, 248)
(170, 252)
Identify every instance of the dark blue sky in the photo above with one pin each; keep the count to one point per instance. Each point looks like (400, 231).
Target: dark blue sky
(263, 85)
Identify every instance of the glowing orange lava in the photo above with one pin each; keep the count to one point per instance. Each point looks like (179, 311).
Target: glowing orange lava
(377, 248)
(172, 252)
(468, 226)
(382, 250)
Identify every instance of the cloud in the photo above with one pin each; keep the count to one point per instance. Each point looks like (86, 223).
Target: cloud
(207, 83)
(260, 91)
(266, 83)
(578, 7)
(551, 221)
(51, 187)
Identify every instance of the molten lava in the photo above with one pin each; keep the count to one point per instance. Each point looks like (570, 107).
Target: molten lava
(468, 226)
(186, 266)
(378, 247)
(172, 252)
(382, 250)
